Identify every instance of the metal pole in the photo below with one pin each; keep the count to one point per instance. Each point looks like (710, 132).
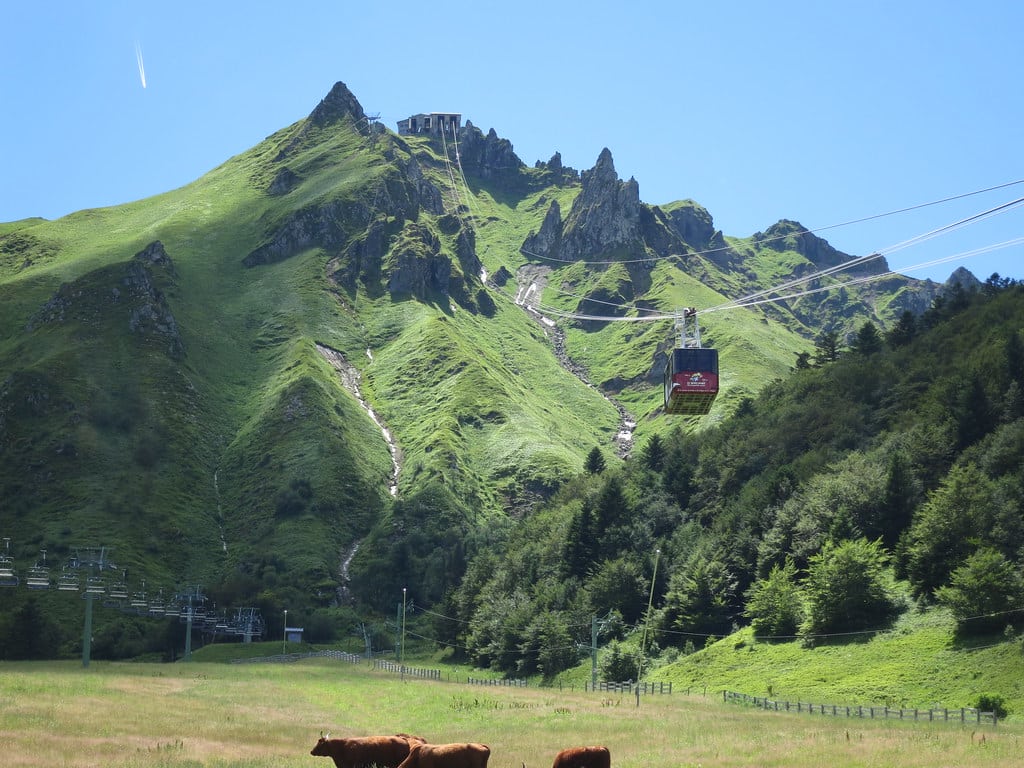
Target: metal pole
(87, 632)
(284, 633)
(188, 632)
(401, 661)
(593, 653)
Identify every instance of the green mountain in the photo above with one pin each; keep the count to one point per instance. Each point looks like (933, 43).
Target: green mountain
(333, 366)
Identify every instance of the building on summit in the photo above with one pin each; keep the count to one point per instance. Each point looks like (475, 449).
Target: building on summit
(434, 123)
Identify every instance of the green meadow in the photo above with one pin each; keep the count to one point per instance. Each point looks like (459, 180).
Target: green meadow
(218, 714)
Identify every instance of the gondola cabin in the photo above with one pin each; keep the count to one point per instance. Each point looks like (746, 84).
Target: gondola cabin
(691, 371)
(691, 381)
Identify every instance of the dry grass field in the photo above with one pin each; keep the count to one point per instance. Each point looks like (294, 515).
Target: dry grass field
(114, 715)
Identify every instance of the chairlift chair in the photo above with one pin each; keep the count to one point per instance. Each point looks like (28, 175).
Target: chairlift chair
(94, 585)
(7, 576)
(68, 581)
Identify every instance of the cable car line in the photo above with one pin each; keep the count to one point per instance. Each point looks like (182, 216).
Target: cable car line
(745, 300)
(753, 298)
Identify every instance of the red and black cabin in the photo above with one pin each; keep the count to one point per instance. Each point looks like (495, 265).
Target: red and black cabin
(691, 381)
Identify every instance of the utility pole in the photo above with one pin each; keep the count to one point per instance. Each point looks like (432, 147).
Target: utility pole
(647, 619)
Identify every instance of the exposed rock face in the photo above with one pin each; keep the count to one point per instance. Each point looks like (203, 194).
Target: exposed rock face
(693, 224)
(964, 278)
(488, 157)
(284, 182)
(149, 314)
(338, 104)
(325, 226)
(547, 242)
(606, 215)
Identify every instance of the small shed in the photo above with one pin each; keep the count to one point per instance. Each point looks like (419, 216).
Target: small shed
(434, 123)
(293, 634)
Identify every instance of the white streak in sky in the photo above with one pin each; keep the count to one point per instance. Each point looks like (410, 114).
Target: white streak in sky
(142, 68)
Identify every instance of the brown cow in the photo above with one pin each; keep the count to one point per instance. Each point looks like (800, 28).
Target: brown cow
(447, 756)
(362, 752)
(583, 757)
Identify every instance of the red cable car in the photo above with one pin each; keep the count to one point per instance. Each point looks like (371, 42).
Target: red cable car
(691, 373)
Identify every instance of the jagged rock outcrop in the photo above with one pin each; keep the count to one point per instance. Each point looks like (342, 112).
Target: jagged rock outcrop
(605, 217)
(964, 278)
(694, 224)
(149, 314)
(338, 104)
(400, 195)
(547, 241)
(489, 157)
(335, 107)
(326, 226)
(419, 268)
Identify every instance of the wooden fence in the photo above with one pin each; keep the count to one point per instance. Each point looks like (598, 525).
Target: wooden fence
(390, 666)
(496, 681)
(630, 687)
(962, 715)
(287, 657)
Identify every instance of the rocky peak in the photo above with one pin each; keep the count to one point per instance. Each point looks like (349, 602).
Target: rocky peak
(786, 235)
(606, 215)
(964, 278)
(336, 105)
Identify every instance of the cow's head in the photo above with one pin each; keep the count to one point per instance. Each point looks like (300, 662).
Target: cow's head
(320, 748)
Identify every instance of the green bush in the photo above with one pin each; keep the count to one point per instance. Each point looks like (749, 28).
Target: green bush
(993, 702)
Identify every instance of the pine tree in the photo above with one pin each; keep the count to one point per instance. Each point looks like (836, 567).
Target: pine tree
(595, 463)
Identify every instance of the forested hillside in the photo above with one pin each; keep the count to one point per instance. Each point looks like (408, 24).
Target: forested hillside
(878, 477)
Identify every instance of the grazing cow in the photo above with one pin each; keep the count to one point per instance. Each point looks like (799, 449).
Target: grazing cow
(362, 752)
(583, 757)
(447, 756)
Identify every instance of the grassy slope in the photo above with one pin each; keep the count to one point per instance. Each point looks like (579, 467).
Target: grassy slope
(918, 663)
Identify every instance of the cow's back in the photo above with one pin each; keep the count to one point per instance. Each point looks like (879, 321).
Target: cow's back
(466, 755)
(364, 751)
(583, 757)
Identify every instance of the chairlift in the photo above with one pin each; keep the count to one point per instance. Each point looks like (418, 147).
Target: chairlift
(118, 592)
(173, 610)
(68, 581)
(157, 607)
(94, 585)
(7, 576)
(138, 601)
(38, 575)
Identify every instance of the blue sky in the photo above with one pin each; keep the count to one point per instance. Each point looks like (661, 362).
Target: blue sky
(824, 113)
